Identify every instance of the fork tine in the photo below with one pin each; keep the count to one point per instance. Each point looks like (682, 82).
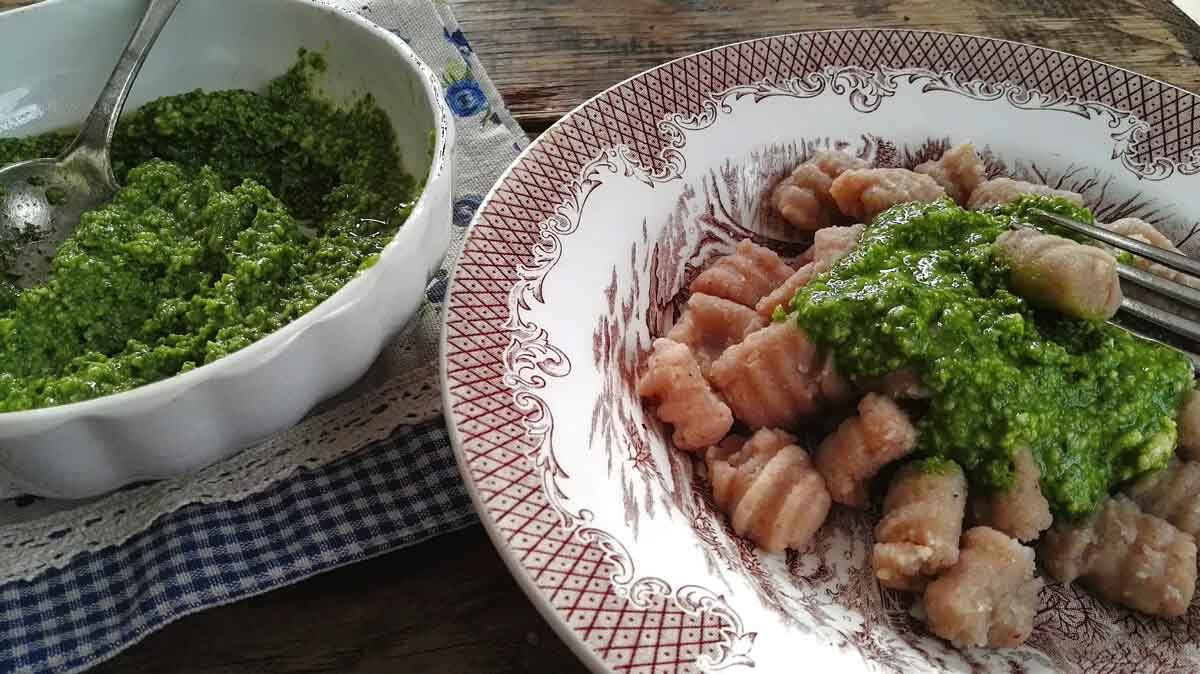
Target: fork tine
(1166, 258)
(1179, 325)
(1166, 287)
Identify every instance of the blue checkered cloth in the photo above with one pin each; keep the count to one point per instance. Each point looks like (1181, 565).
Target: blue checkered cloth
(402, 491)
(395, 493)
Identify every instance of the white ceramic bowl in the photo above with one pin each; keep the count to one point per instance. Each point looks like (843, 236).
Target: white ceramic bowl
(582, 253)
(56, 55)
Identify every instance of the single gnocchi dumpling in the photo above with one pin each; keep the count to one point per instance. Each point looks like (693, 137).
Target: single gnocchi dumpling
(709, 325)
(834, 163)
(1021, 511)
(1172, 493)
(989, 597)
(829, 245)
(864, 193)
(1076, 279)
(833, 243)
(835, 389)
(782, 296)
(684, 399)
(745, 276)
(1136, 228)
(770, 379)
(769, 489)
(803, 199)
(1000, 191)
(851, 455)
(917, 537)
(959, 171)
(1126, 556)
(1145, 232)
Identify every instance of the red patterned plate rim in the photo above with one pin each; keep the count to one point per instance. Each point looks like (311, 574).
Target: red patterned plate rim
(522, 231)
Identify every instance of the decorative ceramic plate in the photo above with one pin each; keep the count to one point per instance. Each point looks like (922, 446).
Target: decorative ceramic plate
(578, 257)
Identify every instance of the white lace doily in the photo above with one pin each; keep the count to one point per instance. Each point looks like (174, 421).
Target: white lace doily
(400, 389)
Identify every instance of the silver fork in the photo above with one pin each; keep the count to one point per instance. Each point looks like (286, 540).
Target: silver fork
(1172, 323)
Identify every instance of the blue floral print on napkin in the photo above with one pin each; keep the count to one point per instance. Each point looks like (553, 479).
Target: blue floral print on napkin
(465, 207)
(464, 94)
(459, 40)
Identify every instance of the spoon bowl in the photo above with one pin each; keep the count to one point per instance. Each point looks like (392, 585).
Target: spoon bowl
(41, 200)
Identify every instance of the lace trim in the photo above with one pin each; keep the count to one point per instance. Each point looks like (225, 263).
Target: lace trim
(48, 534)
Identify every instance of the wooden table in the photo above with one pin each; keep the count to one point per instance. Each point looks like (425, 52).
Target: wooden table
(449, 605)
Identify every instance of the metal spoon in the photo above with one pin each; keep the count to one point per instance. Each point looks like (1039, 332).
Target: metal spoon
(42, 199)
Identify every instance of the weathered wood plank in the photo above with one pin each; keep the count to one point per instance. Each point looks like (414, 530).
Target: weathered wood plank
(547, 57)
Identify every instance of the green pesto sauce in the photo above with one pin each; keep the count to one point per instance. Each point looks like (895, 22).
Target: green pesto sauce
(936, 465)
(238, 213)
(1095, 404)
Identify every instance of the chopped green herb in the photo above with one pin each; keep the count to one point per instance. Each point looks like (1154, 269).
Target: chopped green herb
(1094, 403)
(238, 213)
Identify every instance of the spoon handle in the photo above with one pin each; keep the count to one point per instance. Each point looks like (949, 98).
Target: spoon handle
(97, 130)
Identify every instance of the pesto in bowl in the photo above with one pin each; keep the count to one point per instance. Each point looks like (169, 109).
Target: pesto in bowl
(238, 213)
